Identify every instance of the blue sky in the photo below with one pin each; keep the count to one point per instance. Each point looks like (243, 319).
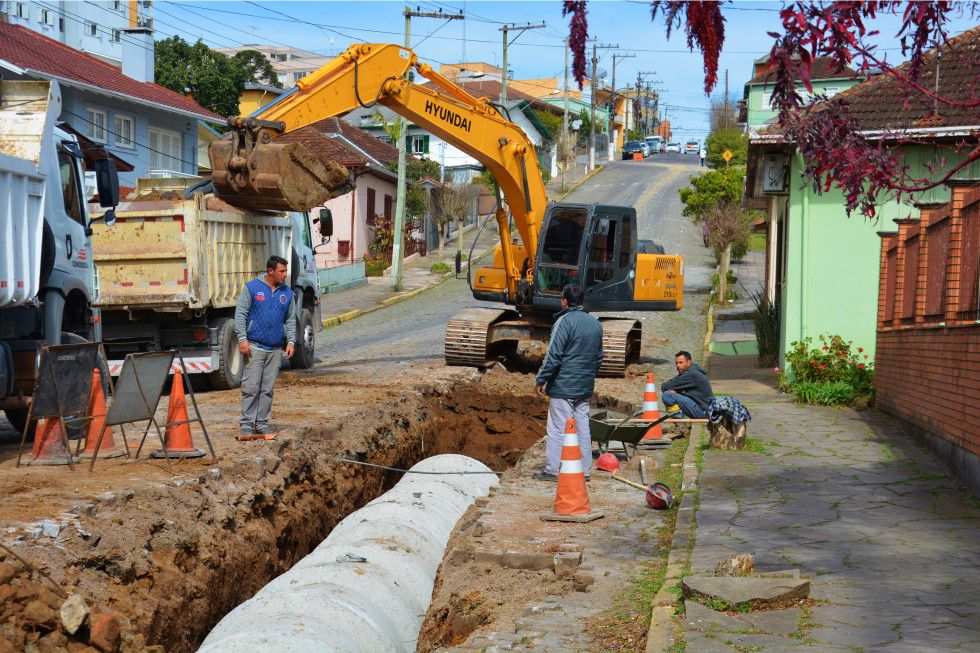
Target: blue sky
(330, 27)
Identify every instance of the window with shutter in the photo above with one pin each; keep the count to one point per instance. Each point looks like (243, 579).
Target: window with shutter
(371, 209)
(388, 211)
(96, 124)
(124, 129)
(165, 150)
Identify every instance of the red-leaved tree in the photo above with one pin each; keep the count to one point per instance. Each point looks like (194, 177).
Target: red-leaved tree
(834, 151)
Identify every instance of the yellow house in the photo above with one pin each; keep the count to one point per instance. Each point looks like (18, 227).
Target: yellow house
(255, 96)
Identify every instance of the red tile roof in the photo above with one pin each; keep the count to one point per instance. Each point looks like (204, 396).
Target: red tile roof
(821, 68)
(884, 102)
(34, 52)
(491, 88)
(317, 138)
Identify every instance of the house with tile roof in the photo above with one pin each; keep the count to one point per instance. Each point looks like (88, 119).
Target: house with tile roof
(341, 261)
(822, 266)
(117, 106)
(826, 79)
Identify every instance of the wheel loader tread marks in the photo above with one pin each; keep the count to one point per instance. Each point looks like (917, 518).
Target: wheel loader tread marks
(466, 336)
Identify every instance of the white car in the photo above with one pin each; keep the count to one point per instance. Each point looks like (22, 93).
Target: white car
(692, 147)
(674, 147)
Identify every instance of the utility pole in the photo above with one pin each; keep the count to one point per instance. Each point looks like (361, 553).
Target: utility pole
(726, 98)
(398, 239)
(592, 92)
(506, 28)
(564, 121)
(612, 128)
(641, 99)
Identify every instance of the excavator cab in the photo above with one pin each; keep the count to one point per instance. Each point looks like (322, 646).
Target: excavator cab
(591, 245)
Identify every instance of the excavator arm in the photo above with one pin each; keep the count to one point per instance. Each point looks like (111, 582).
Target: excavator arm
(363, 76)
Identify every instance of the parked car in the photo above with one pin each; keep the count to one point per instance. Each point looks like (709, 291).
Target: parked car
(654, 143)
(673, 147)
(632, 147)
(692, 147)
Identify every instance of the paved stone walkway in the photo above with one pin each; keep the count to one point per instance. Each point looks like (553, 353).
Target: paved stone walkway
(891, 543)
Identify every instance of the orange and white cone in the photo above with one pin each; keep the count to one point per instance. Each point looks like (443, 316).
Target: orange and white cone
(572, 497)
(178, 442)
(49, 443)
(97, 411)
(651, 410)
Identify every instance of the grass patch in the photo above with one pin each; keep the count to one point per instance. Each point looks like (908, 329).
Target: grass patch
(757, 242)
(440, 267)
(759, 446)
(623, 627)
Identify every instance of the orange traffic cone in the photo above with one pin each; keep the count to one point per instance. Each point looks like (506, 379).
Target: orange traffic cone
(651, 410)
(49, 443)
(572, 497)
(97, 411)
(178, 442)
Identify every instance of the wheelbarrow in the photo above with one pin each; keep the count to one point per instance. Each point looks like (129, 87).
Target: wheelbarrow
(625, 429)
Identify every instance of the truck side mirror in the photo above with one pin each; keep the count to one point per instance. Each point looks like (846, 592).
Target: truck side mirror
(326, 223)
(107, 182)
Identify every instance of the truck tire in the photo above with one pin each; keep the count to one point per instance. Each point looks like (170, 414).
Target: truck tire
(231, 363)
(304, 356)
(17, 418)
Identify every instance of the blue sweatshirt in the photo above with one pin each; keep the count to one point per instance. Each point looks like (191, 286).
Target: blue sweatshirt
(574, 355)
(266, 316)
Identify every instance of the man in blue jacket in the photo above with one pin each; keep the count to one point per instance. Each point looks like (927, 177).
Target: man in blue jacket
(567, 378)
(265, 320)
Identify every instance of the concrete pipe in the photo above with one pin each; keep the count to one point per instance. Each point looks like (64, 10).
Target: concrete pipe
(367, 586)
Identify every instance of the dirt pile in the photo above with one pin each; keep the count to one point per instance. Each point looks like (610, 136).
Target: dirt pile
(169, 560)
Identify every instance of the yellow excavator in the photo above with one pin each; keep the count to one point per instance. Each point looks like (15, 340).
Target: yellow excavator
(592, 245)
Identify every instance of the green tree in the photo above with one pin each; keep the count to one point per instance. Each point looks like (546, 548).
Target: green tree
(711, 188)
(416, 200)
(214, 80)
(731, 139)
(258, 67)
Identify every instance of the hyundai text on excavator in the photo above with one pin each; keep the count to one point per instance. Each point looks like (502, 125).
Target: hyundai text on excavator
(560, 243)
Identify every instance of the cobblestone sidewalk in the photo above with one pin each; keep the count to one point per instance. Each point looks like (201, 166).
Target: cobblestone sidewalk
(891, 543)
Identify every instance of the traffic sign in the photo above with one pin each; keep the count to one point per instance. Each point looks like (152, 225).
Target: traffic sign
(727, 155)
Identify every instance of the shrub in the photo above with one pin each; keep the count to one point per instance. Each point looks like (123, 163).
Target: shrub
(836, 361)
(440, 267)
(827, 393)
(712, 187)
(732, 139)
(374, 267)
(766, 328)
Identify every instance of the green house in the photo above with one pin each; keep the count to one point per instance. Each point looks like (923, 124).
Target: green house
(822, 266)
(826, 81)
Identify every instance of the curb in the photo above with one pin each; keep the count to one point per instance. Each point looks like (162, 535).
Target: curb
(660, 633)
(580, 182)
(337, 320)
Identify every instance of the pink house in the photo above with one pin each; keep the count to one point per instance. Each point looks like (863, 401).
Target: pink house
(364, 156)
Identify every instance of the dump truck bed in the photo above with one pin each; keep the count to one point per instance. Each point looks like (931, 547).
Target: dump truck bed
(168, 254)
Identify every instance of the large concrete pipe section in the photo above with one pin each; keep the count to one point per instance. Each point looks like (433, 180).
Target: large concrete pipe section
(367, 586)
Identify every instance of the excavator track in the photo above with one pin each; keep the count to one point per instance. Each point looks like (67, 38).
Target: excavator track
(620, 346)
(467, 336)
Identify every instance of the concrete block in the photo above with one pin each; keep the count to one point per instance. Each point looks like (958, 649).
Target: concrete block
(530, 561)
(565, 564)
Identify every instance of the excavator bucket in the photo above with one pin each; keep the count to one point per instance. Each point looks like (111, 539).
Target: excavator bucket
(262, 175)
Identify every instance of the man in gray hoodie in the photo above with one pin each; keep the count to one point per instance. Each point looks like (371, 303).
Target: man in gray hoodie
(567, 378)
(689, 391)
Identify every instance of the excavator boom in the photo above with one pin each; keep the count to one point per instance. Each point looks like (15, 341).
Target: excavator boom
(250, 167)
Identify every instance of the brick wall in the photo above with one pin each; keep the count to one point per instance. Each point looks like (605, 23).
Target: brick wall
(927, 361)
(930, 378)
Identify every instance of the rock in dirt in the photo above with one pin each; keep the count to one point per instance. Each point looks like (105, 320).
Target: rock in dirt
(73, 613)
(735, 589)
(38, 613)
(740, 564)
(105, 634)
(7, 572)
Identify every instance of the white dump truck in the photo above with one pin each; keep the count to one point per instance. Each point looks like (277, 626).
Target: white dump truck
(47, 278)
(172, 266)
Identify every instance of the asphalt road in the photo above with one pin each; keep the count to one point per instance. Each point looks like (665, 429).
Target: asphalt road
(412, 331)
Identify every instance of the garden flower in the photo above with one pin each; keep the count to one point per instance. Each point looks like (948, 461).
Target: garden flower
(860, 349)
(826, 348)
(775, 369)
(861, 366)
(822, 366)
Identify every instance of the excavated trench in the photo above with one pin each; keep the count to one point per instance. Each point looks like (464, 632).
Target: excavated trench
(171, 561)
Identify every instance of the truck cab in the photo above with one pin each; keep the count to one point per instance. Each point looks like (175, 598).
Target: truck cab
(48, 289)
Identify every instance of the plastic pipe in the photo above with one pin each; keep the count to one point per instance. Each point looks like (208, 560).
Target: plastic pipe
(367, 586)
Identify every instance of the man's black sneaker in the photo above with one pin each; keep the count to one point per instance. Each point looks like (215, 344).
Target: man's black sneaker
(544, 476)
